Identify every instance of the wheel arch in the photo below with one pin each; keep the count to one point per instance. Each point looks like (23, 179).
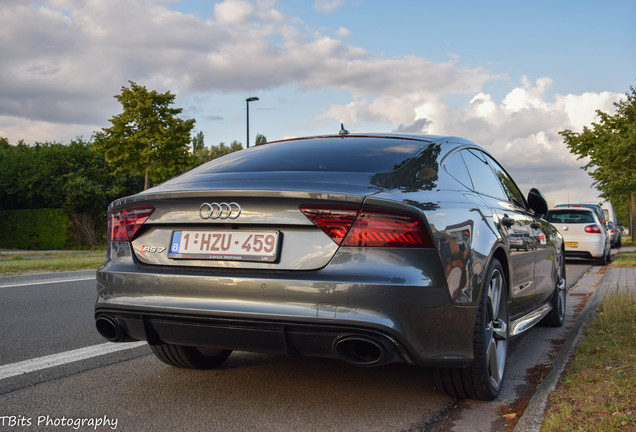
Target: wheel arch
(501, 255)
(479, 272)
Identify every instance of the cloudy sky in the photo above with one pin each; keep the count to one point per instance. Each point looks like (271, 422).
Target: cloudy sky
(506, 74)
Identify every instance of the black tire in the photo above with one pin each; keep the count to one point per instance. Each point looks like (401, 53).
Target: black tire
(190, 357)
(485, 377)
(605, 259)
(556, 317)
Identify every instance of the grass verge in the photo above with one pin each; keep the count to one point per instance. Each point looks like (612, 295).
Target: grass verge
(19, 262)
(624, 259)
(597, 393)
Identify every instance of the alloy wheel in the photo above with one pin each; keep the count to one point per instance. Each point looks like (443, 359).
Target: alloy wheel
(496, 329)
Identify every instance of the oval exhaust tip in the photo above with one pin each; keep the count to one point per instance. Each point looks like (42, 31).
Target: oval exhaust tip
(360, 351)
(109, 328)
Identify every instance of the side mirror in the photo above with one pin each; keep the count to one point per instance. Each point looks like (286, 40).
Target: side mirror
(537, 202)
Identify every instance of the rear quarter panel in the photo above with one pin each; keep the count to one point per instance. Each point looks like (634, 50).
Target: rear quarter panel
(463, 232)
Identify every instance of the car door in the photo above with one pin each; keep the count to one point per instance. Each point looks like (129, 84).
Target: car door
(541, 235)
(513, 217)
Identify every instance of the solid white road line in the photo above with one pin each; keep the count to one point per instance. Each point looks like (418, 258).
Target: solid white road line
(49, 361)
(53, 281)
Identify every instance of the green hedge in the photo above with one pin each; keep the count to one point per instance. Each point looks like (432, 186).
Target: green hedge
(34, 229)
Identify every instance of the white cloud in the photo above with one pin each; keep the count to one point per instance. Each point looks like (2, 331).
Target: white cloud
(63, 61)
(233, 11)
(343, 32)
(527, 96)
(522, 131)
(32, 131)
(581, 109)
(66, 59)
(328, 6)
(523, 134)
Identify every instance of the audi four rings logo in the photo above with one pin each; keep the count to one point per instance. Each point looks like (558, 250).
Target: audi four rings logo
(219, 210)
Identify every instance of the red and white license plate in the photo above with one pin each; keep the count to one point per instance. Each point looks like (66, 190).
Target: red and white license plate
(260, 246)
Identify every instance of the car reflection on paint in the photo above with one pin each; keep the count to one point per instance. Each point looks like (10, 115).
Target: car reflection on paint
(521, 241)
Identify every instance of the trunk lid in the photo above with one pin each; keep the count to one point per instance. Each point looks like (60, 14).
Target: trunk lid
(271, 232)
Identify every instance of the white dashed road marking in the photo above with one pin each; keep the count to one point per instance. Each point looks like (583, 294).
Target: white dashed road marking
(49, 361)
(46, 282)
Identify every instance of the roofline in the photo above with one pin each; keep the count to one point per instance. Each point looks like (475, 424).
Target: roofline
(573, 208)
(415, 137)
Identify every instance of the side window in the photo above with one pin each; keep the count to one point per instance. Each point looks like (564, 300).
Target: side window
(455, 166)
(484, 179)
(508, 184)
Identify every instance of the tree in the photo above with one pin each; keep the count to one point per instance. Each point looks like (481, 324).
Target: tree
(610, 146)
(206, 154)
(71, 177)
(260, 139)
(222, 149)
(148, 137)
(198, 142)
(200, 154)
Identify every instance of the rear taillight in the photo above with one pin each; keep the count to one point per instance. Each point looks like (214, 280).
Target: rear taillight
(388, 229)
(369, 228)
(593, 229)
(333, 221)
(124, 223)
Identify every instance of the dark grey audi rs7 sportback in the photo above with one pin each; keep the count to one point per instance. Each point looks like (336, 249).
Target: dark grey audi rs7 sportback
(368, 248)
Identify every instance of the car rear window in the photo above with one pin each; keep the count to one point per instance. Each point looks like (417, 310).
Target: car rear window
(570, 216)
(354, 154)
(596, 208)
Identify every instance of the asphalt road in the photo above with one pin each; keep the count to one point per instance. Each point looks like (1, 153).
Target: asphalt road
(54, 376)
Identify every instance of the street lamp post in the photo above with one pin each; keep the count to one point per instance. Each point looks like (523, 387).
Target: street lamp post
(247, 102)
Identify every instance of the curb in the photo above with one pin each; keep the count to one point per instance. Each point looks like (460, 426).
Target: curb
(532, 418)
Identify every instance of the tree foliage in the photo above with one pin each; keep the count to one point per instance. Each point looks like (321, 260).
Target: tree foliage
(148, 137)
(53, 175)
(146, 143)
(206, 154)
(261, 139)
(34, 229)
(71, 177)
(610, 145)
(198, 142)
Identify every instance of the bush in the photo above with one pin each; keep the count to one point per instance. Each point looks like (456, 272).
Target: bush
(34, 229)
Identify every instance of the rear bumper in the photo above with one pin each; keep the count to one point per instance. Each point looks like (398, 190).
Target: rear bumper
(586, 249)
(404, 309)
(291, 339)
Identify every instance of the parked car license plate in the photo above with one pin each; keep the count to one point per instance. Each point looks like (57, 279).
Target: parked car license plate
(260, 246)
(571, 244)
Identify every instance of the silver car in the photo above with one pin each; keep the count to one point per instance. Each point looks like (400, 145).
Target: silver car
(371, 249)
